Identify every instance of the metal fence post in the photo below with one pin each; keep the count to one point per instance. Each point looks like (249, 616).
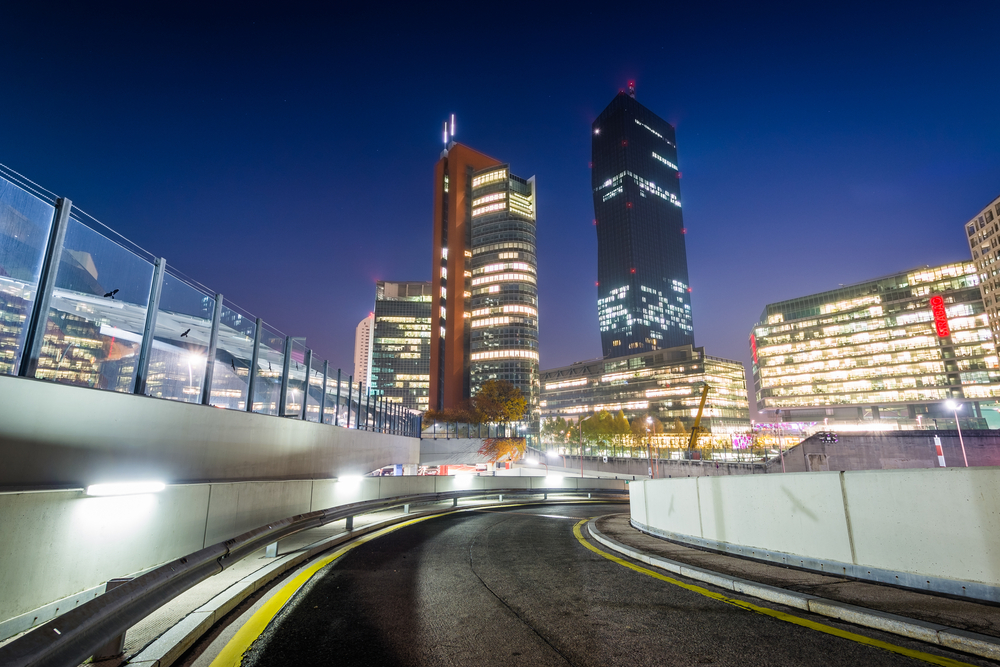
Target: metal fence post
(254, 360)
(152, 307)
(305, 388)
(285, 369)
(322, 399)
(213, 342)
(368, 406)
(37, 321)
(350, 394)
(336, 414)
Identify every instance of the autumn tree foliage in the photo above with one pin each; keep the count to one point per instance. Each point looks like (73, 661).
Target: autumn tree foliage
(495, 449)
(499, 402)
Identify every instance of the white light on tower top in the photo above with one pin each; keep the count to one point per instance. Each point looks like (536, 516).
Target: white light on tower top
(446, 133)
(453, 125)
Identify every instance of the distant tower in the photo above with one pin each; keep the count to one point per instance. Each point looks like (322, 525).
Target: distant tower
(643, 294)
(484, 285)
(363, 349)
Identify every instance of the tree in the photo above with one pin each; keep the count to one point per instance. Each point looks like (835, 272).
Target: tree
(497, 448)
(499, 402)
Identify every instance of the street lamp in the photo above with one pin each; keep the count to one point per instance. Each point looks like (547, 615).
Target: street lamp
(649, 445)
(955, 406)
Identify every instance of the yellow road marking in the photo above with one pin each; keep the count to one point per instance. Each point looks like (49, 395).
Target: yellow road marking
(780, 615)
(232, 653)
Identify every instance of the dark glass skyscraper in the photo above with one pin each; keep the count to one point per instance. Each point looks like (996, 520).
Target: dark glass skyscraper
(643, 294)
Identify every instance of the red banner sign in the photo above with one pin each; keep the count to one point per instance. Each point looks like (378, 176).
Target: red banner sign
(753, 347)
(940, 316)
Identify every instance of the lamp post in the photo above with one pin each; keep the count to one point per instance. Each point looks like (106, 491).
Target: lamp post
(649, 445)
(781, 449)
(955, 406)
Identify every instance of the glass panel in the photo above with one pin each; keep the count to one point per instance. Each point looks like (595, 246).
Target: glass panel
(180, 343)
(269, 365)
(233, 355)
(25, 222)
(315, 390)
(98, 314)
(296, 379)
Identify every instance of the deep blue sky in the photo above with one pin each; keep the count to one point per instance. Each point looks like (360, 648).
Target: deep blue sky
(283, 155)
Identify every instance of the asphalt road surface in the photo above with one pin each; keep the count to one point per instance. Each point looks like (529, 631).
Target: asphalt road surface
(516, 587)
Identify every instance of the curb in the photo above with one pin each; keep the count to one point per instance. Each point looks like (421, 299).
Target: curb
(983, 646)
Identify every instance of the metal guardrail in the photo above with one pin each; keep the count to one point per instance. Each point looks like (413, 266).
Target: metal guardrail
(70, 639)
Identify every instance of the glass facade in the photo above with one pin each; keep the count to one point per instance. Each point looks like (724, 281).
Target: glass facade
(666, 384)
(503, 307)
(983, 232)
(401, 351)
(891, 348)
(112, 305)
(643, 294)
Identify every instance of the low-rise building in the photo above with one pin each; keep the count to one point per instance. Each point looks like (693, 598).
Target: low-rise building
(666, 384)
(887, 352)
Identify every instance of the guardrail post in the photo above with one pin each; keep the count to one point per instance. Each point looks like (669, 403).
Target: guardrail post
(285, 370)
(322, 400)
(501, 497)
(305, 388)
(213, 343)
(254, 359)
(39, 317)
(115, 646)
(349, 523)
(271, 550)
(152, 307)
(454, 501)
(406, 509)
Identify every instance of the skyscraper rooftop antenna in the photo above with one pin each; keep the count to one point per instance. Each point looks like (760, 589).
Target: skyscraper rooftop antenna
(631, 89)
(453, 125)
(446, 134)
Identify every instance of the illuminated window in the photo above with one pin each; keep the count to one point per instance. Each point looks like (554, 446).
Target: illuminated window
(489, 178)
(505, 354)
(496, 196)
(665, 161)
(490, 208)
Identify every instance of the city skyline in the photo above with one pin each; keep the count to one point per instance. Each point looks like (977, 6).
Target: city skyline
(803, 162)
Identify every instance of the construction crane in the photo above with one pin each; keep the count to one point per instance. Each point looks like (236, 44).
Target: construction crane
(696, 429)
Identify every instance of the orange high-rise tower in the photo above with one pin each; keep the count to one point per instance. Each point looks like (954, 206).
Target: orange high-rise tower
(451, 284)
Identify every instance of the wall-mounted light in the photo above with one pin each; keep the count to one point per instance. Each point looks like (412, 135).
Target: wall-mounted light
(125, 488)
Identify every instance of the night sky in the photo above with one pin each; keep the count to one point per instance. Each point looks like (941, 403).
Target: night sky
(283, 155)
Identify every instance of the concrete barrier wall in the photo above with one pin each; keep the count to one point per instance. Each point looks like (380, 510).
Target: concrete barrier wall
(59, 548)
(57, 436)
(929, 523)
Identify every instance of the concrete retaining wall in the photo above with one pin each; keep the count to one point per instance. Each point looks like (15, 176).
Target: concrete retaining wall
(59, 548)
(923, 523)
(58, 436)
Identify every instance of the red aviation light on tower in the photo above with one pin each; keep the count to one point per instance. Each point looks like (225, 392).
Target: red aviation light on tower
(940, 316)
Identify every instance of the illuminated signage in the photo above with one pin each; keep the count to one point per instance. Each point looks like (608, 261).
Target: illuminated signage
(753, 347)
(940, 316)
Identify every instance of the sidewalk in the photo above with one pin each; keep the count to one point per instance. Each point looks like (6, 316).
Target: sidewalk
(929, 611)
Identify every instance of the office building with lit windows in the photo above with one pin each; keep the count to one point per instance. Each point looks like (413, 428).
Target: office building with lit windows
(983, 232)
(666, 384)
(882, 353)
(643, 294)
(401, 343)
(484, 288)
